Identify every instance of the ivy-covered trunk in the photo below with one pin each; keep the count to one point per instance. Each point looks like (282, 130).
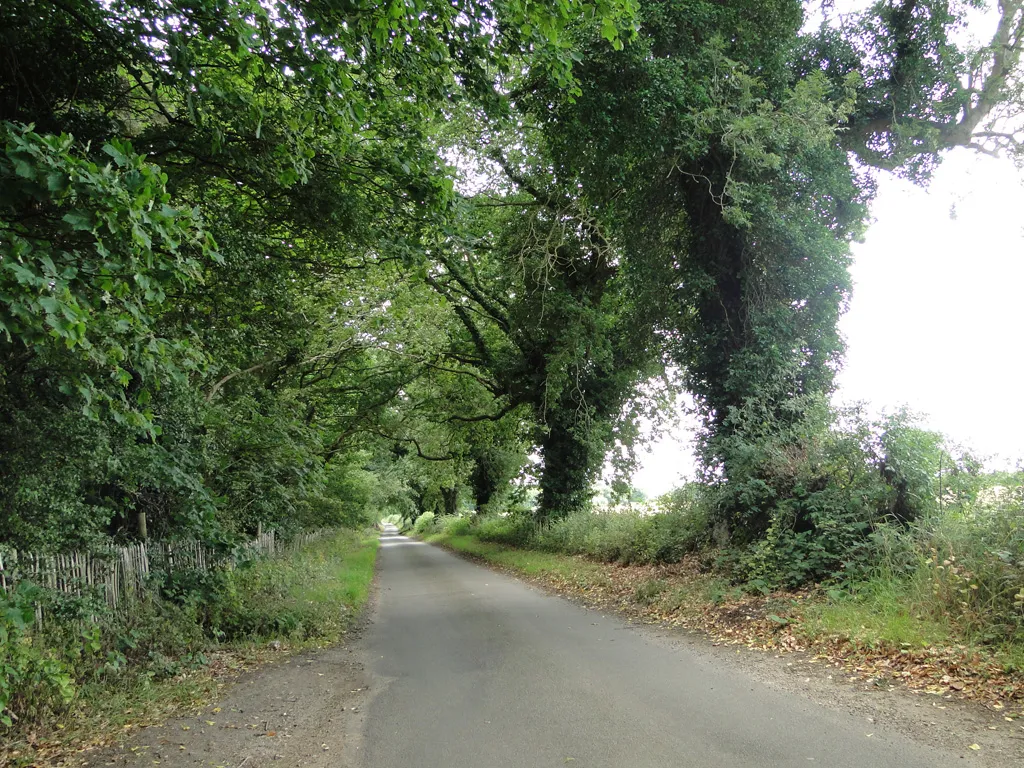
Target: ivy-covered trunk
(763, 345)
(488, 476)
(571, 463)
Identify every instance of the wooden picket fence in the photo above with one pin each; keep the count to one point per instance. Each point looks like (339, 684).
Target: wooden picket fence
(121, 574)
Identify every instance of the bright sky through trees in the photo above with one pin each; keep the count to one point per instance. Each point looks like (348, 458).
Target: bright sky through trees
(935, 321)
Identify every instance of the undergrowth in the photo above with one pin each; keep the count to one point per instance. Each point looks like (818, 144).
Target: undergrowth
(87, 670)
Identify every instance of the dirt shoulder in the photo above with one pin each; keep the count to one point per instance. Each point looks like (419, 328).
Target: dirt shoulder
(305, 710)
(295, 707)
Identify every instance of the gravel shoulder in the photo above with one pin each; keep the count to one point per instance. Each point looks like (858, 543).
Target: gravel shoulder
(306, 709)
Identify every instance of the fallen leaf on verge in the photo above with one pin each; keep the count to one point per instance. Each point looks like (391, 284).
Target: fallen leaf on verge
(975, 747)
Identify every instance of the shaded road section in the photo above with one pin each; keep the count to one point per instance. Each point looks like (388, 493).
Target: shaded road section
(474, 669)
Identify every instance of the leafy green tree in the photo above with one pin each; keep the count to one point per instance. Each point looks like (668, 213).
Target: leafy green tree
(721, 145)
(195, 198)
(548, 316)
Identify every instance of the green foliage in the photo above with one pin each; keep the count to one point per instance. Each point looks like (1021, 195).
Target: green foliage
(86, 272)
(423, 523)
(240, 287)
(805, 503)
(613, 536)
(311, 594)
(348, 498)
(512, 530)
(72, 481)
(32, 682)
(957, 574)
(717, 153)
(969, 570)
(626, 537)
(453, 526)
(204, 250)
(84, 650)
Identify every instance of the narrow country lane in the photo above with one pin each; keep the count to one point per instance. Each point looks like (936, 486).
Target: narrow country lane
(473, 669)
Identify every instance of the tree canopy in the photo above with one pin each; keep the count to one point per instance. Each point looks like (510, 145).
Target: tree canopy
(286, 263)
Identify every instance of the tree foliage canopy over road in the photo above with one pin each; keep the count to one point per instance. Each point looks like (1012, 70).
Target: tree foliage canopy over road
(282, 263)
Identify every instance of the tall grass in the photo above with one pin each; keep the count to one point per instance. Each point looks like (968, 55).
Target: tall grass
(953, 577)
(626, 537)
(621, 536)
(307, 595)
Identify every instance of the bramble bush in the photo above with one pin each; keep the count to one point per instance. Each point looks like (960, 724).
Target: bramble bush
(807, 502)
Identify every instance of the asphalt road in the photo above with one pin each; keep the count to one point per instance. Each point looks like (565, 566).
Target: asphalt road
(473, 669)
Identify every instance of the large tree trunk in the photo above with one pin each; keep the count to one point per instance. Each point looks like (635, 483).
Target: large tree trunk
(484, 480)
(569, 470)
(450, 498)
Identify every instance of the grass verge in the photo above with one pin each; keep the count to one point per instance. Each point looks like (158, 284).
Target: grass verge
(526, 562)
(184, 650)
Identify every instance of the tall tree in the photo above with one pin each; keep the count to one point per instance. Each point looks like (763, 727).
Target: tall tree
(723, 142)
(191, 194)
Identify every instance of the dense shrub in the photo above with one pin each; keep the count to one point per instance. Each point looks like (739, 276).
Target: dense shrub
(514, 530)
(628, 536)
(32, 681)
(423, 523)
(453, 525)
(804, 503)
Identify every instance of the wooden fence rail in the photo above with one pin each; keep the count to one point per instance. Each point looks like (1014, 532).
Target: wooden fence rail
(122, 574)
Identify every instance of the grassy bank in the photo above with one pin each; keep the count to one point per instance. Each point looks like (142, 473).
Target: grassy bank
(79, 681)
(886, 627)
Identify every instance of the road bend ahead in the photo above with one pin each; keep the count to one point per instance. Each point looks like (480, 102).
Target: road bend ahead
(477, 670)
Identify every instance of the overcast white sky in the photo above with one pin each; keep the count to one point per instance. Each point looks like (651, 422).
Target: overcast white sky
(937, 313)
(936, 316)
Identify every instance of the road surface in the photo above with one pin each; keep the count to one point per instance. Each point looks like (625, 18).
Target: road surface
(473, 669)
